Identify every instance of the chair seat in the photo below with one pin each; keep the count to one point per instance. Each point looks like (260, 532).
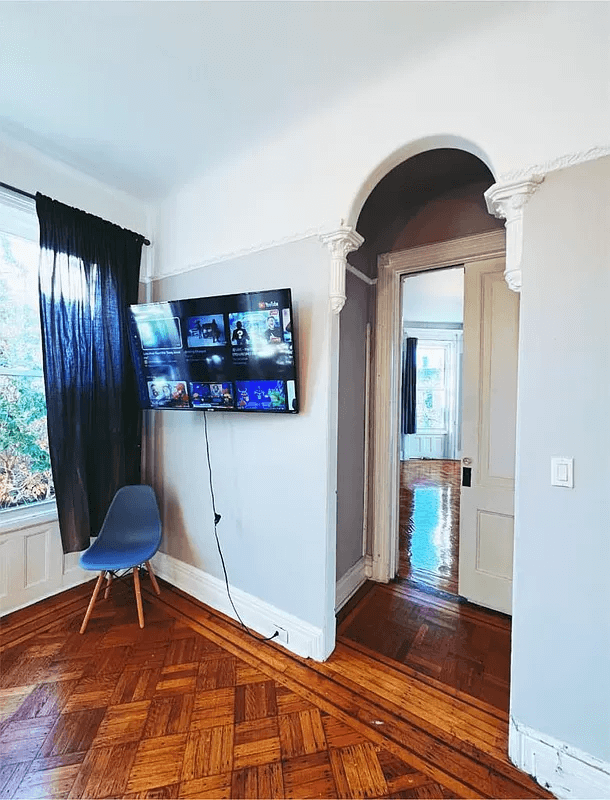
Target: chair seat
(110, 555)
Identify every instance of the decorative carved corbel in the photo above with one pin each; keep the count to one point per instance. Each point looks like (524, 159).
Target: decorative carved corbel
(340, 243)
(507, 201)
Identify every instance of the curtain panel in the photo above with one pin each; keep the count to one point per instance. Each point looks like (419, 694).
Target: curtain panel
(89, 273)
(409, 387)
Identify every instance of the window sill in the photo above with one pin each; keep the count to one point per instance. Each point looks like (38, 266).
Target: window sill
(15, 519)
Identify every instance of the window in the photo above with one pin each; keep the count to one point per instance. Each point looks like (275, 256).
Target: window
(25, 469)
(432, 401)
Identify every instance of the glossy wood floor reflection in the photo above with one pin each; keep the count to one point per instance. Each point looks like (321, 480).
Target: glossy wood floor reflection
(429, 520)
(462, 646)
(191, 706)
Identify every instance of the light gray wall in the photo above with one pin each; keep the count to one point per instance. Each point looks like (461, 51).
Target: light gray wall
(561, 634)
(32, 171)
(350, 446)
(270, 471)
(434, 296)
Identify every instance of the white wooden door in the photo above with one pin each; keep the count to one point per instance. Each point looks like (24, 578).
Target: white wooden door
(491, 327)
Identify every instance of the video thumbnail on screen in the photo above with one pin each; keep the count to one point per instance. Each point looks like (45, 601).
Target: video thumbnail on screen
(212, 395)
(255, 328)
(168, 394)
(260, 395)
(206, 330)
(161, 333)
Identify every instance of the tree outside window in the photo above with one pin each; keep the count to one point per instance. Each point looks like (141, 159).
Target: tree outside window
(25, 469)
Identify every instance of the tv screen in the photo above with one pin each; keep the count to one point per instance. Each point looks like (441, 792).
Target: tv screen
(233, 352)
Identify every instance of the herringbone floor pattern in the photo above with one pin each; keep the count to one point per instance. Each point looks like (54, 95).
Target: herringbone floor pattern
(165, 712)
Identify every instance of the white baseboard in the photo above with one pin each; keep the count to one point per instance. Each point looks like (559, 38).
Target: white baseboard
(303, 639)
(349, 584)
(564, 770)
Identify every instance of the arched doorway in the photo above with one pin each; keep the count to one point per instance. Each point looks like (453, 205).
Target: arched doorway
(430, 198)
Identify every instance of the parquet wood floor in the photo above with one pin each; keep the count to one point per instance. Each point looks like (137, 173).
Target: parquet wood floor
(191, 706)
(429, 522)
(464, 647)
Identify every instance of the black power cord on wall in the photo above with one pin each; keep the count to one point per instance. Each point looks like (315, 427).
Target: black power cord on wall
(217, 519)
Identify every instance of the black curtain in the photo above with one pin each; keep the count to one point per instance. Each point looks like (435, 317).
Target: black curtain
(409, 386)
(89, 272)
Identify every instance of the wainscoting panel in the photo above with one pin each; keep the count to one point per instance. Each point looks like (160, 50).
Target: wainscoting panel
(32, 564)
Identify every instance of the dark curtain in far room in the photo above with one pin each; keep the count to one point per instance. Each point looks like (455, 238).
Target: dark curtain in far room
(409, 374)
(89, 272)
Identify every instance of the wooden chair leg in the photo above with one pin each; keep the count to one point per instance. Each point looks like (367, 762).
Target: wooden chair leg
(153, 579)
(136, 583)
(108, 582)
(98, 586)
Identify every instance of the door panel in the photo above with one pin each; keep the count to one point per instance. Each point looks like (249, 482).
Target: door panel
(491, 327)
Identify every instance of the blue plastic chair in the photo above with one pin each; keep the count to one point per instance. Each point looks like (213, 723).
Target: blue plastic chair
(130, 536)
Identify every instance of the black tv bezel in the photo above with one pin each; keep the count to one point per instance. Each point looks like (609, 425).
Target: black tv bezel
(236, 299)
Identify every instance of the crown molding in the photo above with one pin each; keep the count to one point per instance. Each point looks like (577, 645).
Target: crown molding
(562, 162)
(508, 197)
(340, 243)
(312, 233)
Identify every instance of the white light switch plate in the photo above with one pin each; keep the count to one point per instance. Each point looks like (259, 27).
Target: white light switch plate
(562, 472)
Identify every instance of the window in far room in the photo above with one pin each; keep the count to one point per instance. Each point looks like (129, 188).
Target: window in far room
(25, 469)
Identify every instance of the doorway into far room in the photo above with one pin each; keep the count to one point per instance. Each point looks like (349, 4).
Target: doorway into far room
(430, 433)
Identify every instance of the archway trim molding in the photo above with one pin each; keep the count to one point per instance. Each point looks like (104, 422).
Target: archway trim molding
(507, 201)
(562, 162)
(398, 156)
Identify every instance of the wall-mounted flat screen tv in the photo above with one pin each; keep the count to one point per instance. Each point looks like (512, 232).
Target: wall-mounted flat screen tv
(233, 352)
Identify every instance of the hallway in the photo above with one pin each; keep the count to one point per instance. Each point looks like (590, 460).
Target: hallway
(415, 621)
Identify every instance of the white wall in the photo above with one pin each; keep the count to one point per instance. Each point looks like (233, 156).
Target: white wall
(436, 296)
(530, 87)
(526, 89)
(351, 424)
(561, 636)
(28, 169)
(270, 472)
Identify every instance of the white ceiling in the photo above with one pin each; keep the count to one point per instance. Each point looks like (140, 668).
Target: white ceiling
(141, 95)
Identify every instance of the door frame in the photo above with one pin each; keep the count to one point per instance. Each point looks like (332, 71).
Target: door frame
(387, 371)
